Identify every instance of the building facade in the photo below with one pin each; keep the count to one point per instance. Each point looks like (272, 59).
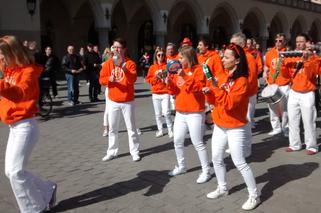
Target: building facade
(146, 23)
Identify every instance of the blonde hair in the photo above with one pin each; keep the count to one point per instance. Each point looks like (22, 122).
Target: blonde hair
(15, 54)
(190, 54)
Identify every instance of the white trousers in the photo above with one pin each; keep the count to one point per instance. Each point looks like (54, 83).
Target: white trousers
(194, 123)
(128, 111)
(106, 108)
(251, 108)
(32, 193)
(172, 102)
(161, 103)
(274, 117)
(236, 139)
(302, 104)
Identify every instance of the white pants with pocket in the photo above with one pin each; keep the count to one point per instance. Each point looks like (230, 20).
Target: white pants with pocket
(128, 111)
(161, 103)
(32, 193)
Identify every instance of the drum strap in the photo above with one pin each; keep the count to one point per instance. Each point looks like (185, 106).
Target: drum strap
(277, 71)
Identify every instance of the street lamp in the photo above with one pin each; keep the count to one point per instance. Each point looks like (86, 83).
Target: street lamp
(31, 6)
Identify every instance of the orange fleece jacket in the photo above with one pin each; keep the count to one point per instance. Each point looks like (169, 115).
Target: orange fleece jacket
(305, 79)
(271, 61)
(122, 89)
(230, 102)
(157, 86)
(19, 91)
(253, 73)
(188, 90)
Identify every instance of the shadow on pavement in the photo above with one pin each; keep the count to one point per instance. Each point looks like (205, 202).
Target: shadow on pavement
(278, 176)
(155, 181)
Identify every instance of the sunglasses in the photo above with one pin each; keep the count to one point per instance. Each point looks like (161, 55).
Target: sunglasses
(160, 55)
(277, 40)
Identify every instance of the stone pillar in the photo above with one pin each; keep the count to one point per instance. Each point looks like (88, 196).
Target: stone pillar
(103, 38)
(160, 28)
(204, 26)
(160, 39)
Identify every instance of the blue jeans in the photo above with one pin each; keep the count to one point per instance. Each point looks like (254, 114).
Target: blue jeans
(73, 87)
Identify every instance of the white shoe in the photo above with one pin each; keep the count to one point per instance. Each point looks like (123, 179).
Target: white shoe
(203, 177)
(159, 133)
(139, 132)
(170, 133)
(228, 151)
(105, 133)
(136, 158)
(177, 171)
(108, 157)
(251, 203)
(217, 193)
(274, 132)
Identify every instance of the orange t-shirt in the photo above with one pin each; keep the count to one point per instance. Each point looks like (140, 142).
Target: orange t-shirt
(188, 90)
(19, 92)
(230, 100)
(122, 89)
(253, 73)
(271, 61)
(157, 86)
(305, 79)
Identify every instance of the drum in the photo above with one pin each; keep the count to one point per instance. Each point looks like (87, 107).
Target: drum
(276, 99)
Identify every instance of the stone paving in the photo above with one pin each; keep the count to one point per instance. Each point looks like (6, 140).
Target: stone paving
(70, 149)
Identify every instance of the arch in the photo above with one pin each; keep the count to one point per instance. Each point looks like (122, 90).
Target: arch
(255, 23)
(182, 22)
(278, 24)
(315, 30)
(297, 27)
(223, 23)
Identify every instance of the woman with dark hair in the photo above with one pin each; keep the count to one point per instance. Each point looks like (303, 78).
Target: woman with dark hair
(230, 100)
(187, 85)
(161, 100)
(19, 92)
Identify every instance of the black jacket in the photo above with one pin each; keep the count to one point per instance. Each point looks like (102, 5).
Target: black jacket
(71, 62)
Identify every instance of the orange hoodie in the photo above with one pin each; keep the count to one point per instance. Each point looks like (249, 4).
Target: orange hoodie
(213, 61)
(253, 73)
(19, 91)
(271, 61)
(230, 102)
(170, 58)
(188, 90)
(305, 79)
(157, 86)
(122, 89)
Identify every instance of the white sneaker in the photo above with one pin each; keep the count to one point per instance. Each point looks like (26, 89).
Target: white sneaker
(159, 133)
(139, 132)
(177, 171)
(203, 177)
(170, 133)
(274, 132)
(108, 157)
(136, 158)
(217, 193)
(228, 151)
(251, 203)
(105, 133)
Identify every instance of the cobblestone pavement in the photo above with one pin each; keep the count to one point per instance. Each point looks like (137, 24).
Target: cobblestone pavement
(70, 149)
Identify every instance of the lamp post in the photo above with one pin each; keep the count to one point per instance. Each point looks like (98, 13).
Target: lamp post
(31, 6)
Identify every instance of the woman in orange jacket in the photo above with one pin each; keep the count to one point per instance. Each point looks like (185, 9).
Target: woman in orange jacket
(230, 99)
(19, 92)
(161, 98)
(187, 85)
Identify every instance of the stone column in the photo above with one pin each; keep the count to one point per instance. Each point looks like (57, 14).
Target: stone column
(160, 28)
(103, 38)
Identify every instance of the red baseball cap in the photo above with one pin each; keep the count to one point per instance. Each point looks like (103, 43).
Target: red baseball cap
(186, 41)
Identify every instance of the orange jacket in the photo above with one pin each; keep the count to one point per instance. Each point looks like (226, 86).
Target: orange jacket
(188, 90)
(213, 61)
(305, 79)
(170, 58)
(157, 86)
(271, 61)
(122, 89)
(253, 73)
(230, 102)
(19, 93)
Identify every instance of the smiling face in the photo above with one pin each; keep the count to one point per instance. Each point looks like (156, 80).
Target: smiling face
(229, 61)
(202, 48)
